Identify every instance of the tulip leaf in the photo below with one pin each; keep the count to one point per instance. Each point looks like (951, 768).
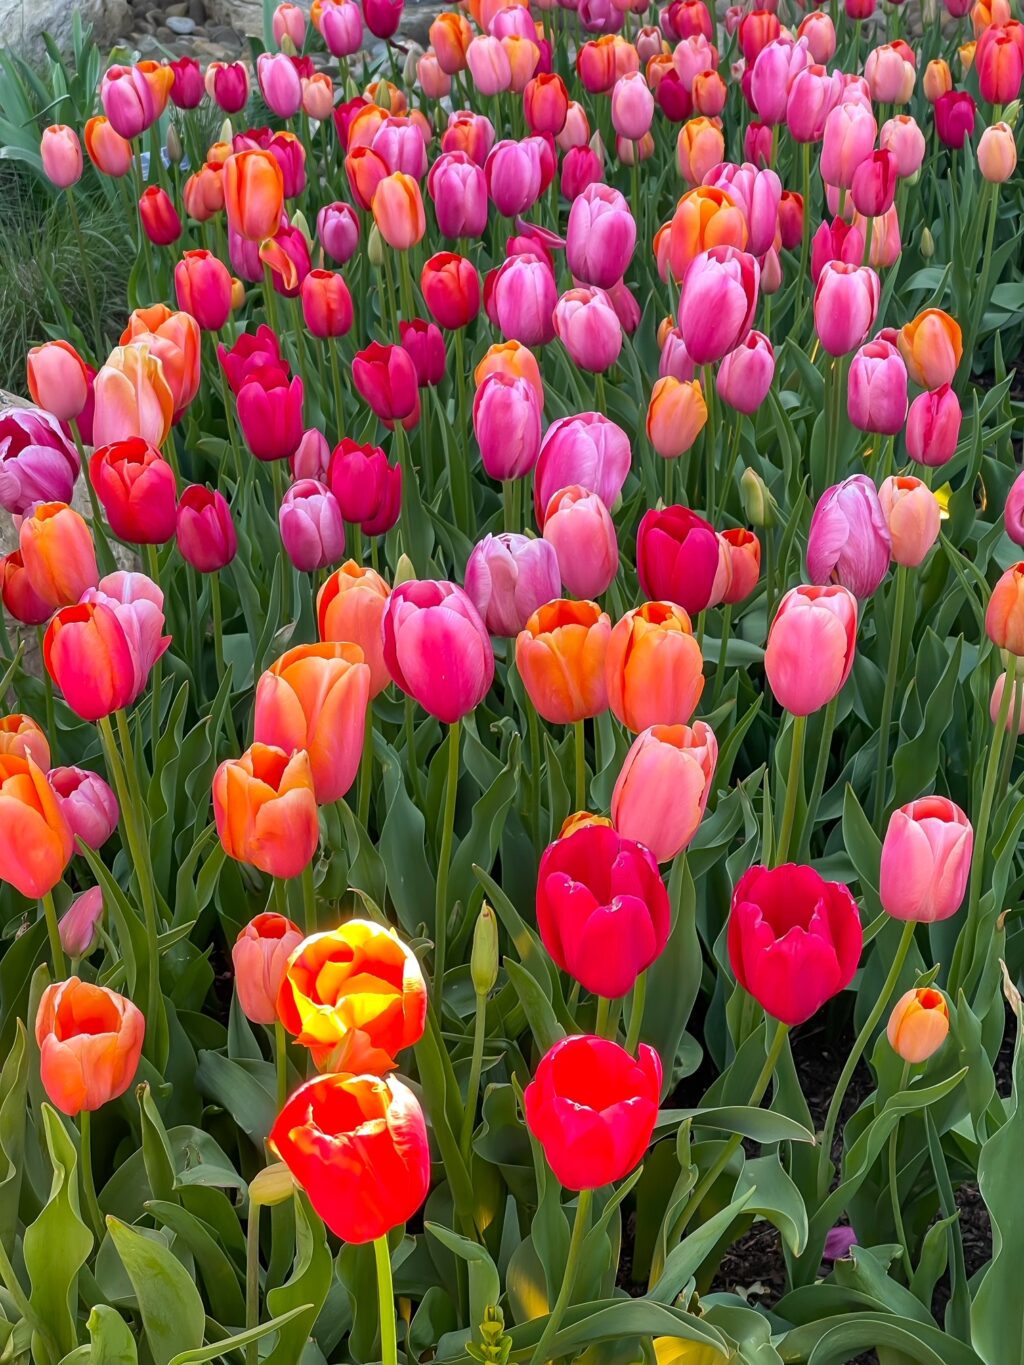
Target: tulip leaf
(13, 1117)
(484, 1280)
(172, 1311)
(244, 1088)
(305, 1292)
(836, 1340)
(539, 1013)
(156, 1149)
(610, 1320)
(58, 1242)
(761, 1125)
(776, 1198)
(110, 1338)
(684, 1260)
(201, 1354)
(219, 1275)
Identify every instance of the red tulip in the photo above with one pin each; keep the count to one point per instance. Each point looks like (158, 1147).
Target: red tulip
(681, 559)
(386, 379)
(137, 489)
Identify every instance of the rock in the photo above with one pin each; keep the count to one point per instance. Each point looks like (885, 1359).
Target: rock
(246, 16)
(181, 24)
(23, 22)
(197, 11)
(225, 36)
(176, 10)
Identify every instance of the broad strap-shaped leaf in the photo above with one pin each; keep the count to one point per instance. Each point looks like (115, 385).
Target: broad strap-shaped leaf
(172, 1311)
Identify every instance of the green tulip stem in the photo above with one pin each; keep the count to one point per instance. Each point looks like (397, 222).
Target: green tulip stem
(444, 859)
(366, 769)
(104, 554)
(92, 1206)
(308, 898)
(828, 726)
(856, 1052)
(536, 769)
(281, 1063)
(897, 1212)
(716, 1168)
(888, 696)
(153, 569)
(473, 1086)
(53, 934)
(252, 1279)
(339, 406)
(542, 1351)
(723, 650)
(603, 1019)
(386, 1299)
(581, 765)
(794, 782)
(228, 399)
(218, 629)
(636, 1014)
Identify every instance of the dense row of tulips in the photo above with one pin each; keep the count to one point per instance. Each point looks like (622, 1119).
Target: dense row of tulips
(414, 892)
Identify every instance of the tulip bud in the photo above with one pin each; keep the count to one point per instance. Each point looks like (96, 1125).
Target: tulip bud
(404, 570)
(375, 247)
(997, 153)
(483, 960)
(759, 507)
(175, 151)
(273, 1185)
(911, 512)
(926, 244)
(918, 1024)
(79, 925)
(926, 860)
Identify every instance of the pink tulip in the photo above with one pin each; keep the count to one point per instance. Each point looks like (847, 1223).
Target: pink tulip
(1013, 512)
(127, 100)
(458, 188)
(877, 390)
(87, 804)
(138, 604)
(819, 32)
(489, 65)
(600, 237)
(926, 860)
(79, 926)
(586, 449)
(580, 527)
(835, 241)
(775, 68)
(1016, 704)
(437, 648)
(718, 302)
(523, 296)
(848, 540)
(312, 530)
(811, 623)
(507, 423)
(508, 577)
(400, 144)
(874, 184)
(911, 512)
(663, 787)
(588, 327)
(902, 137)
(341, 27)
(889, 75)
(845, 306)
(337, 230)
(933, 426)
(280, 83)
(849, 139)
(61, 152)
(632, 106)
(810, 100)
(513, 172)
(745, 374)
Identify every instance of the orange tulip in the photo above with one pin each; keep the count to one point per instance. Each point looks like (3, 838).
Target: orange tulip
(25, 738)
(450, 36)
(109, 152)
(918, 1024)
(350, 606)
(159, 78)
(654, 667)
(387, 96)
(217, 153)
(561, 659)
(265, 808)
(398, 211)
(260, 956)
(314, 698)
(90, 1041)
(58, 553)
(511, 358)
(1004, 618)
(931, 346)
(523, 55)
(580, 820)
(700, 146)
(938, 79)
(364, 170)
(174, 338)
(36, 843)
(704, 217)
(355, 997)
(363, 128)
(253, 193)
(133, 396)
(675, 416)
(203, 192)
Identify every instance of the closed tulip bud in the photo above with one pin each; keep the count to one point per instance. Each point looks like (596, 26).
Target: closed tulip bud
(270, 413)
(718, 303)
(903, 138)
(759, 507)
(663, 787)
(592, 1107)
(337, 230)
(22, 736)
(890, 76)
(911, 513)
(341, 27)
(137, 489)
(931, 346)
(398, 211)
(350, 607)
(579, 526)
(227, 84)
(792, 960)
(746, 373)
(312, 530)
(514, 176)
(386, 379)
(877, 389)
(791, 219)
(202, 286)
(58, 553)
(358, 1146)
(87, 804)
(560, 655)
(938, 79)
(36, 842)
(265, 809)
(546, 104)
(997, 153)
(61, 153)
(425, 344)
(848, 539)
(918, 1024)
(654, 667)
(315, 698)
(818, 31)
(681, 559)
(368, 489)
(589, 328)
(90, 1041)
(79, 926)
(676, 415)
(109, 152)
(845, 306)
(288, 20)
(933, 426)
(632, 107)
(700, 147)
(312, 456)
(37, 462)
(849, 139)
(20, 598)
(600, 237)
(253, 193)
(326, 304)
(954, 118)
(811, 622)
(483, 959)
(437, 648)
(811, 99)
(451, 289)
(203, 193)
(58, 380)
(507, 425)
(523, 295)
(508, 577)
(458, 188)
(744, 551)
(926, 860)
(204, 530)
(1015, 706)
(874, 184)
(1004, 617)
(317, 96)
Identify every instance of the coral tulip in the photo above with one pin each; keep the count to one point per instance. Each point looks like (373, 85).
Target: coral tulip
(932, 347)
(811, 622)
(137, 489)
(663, 787)
(58, 553)
(265, 809)
(36, 842)
(202, 285)
(653, 667)
(560, 655)
(926, 860)
(918, 1024)
(350, 608)
(90, 1041)
(133, 397)
(253, 193)
(22, 736)
(911, 512)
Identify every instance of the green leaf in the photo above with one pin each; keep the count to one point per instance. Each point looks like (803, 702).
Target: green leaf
(762, 1125)
(536, 1005)
(13, 1115)
(219, 1275)
(837, 1340)
(110, 1337)
(58, 1242)
(484, 1280)
(776, 1198)
(172, 1311)
(221, 1348)
(305, 1292)
(156, 1149)
(685, 1260)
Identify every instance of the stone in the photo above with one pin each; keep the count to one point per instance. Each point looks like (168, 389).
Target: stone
(197, 11)
(23, 22)
(181, 24)
(245, 16)
(226, 36)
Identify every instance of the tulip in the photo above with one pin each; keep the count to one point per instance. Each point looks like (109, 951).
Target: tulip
(383, 18)
(926, 860)
(288, 20)
(227, 84)
(811, 622)
(718, 303)
(700, 146)
(61, 154)
(458, 188)
(437, 648)
(918, 1024)
(368, 489)
(999, 62)
(286, 255)
(187, 88)
(202, 286)
(270, 413)
(133, 397)
(523, 296)
(400, 143)
(280, 83)
(36, 842)
(877, 389)
(289, 153)
(253, 193)
(265, 810)
(58, 380)
(22, 736)
(507, 424)
(745, 374)
(938, 79)
(874, 184)
(653, 667)
(889, 75)
(58, 553)
(1004, 617)
(508, 577)
(326, 304)
(350, 608)
(174, 341)
(680, 559)
(79, 927)
(511, 358)
(848, 539)
(451, 289)
(358, 1147)
(203, 193)
(818, 31)
(90, 1041)
(836, 241)
(137, 489)
(37, 462)
(849, 139)
(676, 415)
(1013, 511)
(997, 153)
(315, 698)
(87, 804)
(813, 95)
(472, 134)
(260, 956)
(354, 996)
(588, 326)
(204, 530)
(794, 939)
(337, 229)
(579, 527)
(109, 152)
(771, 75)
(954, 118)
(1015, 707)
(709, 92)
(585, 449)
(744, 552)
(560, 655)
(632, 107)
(933, 426)
(87, 654)
(20, 598)
(931, 346)
(513, 174)
(138, 605)
(903, 138)
(450, 37)
(662, 789)
(127, 100)
(312, 530)
(425, 345)
(158, 216)
(341, 27)
(911, 513)
(592, 1108)
(385, 378)
(845, 306)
